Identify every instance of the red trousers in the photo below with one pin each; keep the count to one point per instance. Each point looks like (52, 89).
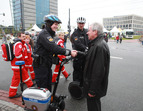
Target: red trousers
(16, 80)
(55, 74)
(32, 74)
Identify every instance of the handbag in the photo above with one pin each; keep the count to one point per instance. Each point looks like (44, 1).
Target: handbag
(55, 59)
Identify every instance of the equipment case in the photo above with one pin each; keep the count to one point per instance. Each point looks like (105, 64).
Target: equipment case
(37, 99)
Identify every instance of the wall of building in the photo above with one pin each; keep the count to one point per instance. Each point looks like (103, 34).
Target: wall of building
(54, 7)
(125, 22)
(42, 9)
(16, 13)
(29, 14)
(33, 12)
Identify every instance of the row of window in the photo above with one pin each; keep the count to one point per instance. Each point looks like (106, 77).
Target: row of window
(117, 19)
(123, 18)
(118, 22)
(125, 26)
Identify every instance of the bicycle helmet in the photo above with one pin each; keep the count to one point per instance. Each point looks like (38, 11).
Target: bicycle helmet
(52, 18)
(81, 20)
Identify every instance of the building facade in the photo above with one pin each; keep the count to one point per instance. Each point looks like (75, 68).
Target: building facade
(43, 8)
(134, 22)
(26, 13)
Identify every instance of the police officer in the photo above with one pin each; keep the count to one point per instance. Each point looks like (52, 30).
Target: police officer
(45, 48)
(79, 40)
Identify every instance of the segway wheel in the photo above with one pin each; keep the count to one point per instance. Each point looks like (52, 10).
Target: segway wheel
(62, 105)
(76, 91)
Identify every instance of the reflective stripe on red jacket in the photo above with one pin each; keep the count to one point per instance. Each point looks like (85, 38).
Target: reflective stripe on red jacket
(20, 53)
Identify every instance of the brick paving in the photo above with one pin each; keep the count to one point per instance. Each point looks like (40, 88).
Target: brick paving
(7, 104)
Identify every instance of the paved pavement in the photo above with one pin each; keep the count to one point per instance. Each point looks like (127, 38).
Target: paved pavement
(7, 104)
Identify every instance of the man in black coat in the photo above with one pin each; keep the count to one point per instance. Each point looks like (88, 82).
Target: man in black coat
(96, 68)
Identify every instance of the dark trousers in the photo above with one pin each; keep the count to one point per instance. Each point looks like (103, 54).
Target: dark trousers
(93, 104)
(78, 67)
(43, 77)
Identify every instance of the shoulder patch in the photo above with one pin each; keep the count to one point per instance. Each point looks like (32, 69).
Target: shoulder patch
(50, 38)
(75, 38)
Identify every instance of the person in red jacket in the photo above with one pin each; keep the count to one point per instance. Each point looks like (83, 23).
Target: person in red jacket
(60, 42)
(20, 55)
(29, 61)
(117, 38)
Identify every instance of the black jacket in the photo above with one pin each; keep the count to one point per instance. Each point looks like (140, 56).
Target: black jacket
(46, 47)
(96, 69)
(79, 39)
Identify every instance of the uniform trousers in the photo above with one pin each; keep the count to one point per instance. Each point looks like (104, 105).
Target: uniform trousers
(43, 76)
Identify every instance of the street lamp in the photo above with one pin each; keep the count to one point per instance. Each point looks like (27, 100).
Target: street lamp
(2, 14)
(4, 40)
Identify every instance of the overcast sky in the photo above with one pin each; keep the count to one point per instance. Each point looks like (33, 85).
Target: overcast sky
(92, 10)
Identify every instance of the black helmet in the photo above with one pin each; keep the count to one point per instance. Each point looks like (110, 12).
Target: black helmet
(52, 18)
(81, 20)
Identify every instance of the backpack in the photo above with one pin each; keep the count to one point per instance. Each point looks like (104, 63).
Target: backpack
(7, 51)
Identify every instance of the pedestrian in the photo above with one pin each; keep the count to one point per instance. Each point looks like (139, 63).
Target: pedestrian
(65, 39)
(20, 55)
(29, 61)
(117, 38)
(105, 37)
(141, 39)
(79, 39)
(60, 42)
(96, 69)
(45, 49)
(120, 37)
(31, 41)
(11, 38)
(35, 40)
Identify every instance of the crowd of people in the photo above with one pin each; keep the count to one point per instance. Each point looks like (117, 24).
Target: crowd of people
(91, 70)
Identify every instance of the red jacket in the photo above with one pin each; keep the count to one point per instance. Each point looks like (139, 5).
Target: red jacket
(117, 37)
(60, 42)
(20, 53)
(28, 62)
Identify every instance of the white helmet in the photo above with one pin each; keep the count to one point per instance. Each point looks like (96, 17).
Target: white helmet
(81, 20)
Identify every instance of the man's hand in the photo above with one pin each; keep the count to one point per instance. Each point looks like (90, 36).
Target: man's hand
(91, 95)
(73, 53)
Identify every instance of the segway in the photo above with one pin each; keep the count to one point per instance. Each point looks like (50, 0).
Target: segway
(75, 88)
(41, 99)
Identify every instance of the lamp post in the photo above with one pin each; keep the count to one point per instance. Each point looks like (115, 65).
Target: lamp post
(2, 14)
(4, 39)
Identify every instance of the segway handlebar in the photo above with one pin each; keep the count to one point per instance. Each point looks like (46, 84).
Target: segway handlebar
(82, 53)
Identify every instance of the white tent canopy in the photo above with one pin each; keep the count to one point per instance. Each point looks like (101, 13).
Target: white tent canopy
(115, 30)
(34, 29)
(105, 30)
